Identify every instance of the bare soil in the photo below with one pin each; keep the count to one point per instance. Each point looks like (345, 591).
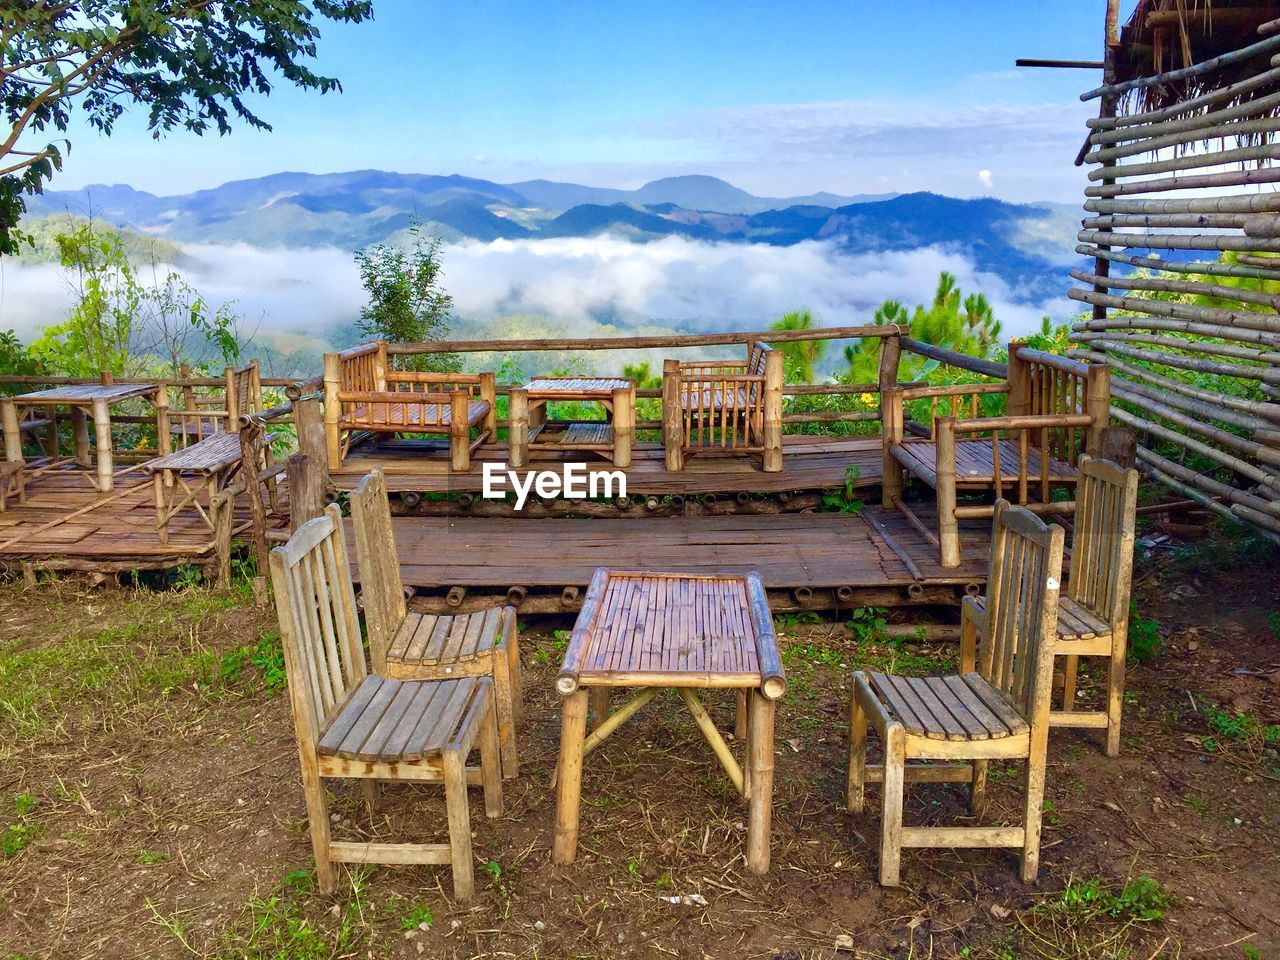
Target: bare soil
(150, 791)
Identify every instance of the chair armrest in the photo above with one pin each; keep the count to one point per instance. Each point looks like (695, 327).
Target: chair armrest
(390, 396)
(773, 679)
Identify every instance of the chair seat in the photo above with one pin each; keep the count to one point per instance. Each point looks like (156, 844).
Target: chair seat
(451, 638)
(963, 707)
(399, 416)
(1075, 622)
(975, 462)
(394, 721)
(213, 453)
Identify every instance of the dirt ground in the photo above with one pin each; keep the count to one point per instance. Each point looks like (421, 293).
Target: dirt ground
(151, 807)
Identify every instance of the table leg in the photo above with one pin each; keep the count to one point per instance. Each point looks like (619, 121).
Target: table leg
(518, 436)
(102, 433)
(12, 432)
(760, 758)
(624, 426)
(573, 730)
(80, 430)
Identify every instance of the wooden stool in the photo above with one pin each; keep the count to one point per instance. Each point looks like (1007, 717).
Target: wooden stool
(484, 644)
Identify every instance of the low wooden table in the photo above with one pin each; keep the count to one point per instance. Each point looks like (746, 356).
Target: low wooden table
(612, 437)
(650, 631)
(96, 399)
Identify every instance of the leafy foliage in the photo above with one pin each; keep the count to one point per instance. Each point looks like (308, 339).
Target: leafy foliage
(407, 303)
(1144, 637)
(188, 64)
(799, 357)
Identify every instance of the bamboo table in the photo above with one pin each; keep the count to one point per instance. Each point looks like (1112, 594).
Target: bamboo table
(612, 438)
(96, 399)
(650, 631)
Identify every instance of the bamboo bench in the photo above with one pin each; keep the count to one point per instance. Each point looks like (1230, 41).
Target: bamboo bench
(1056, 410)
(363, 395)
(724, 407)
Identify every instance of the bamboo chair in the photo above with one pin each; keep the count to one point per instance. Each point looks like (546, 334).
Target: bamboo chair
(412, 646)
(1093, 619)
(999, 712)
(351, 724)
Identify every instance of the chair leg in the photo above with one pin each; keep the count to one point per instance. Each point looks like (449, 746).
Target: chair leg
(318, 821)
(504, 698)
(978, 788)
(856, 788)
(740, 719)
(895, 763)
(455, 795)
(1032, 813)
(1069, 669)
(1115, 699)
(491, 763)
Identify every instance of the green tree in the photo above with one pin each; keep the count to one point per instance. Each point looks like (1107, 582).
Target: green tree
(188, 63)
(407, 301)
(964, 324)
(800, 358)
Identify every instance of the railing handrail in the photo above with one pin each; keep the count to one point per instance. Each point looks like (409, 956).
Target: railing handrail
(64, 381)
(988, 368)
(671, 341)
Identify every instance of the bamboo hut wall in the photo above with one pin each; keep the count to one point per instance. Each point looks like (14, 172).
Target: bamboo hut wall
(1196, 373)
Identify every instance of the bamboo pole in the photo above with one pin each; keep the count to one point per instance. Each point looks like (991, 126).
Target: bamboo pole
(1231, 178)
(1214, 367)
(1152, 135)
(1188, 345)
(1191, 131)
(1239, 203)
(1180, 326)
(1243, 467)
(1206, 66)
(1216, 95)
(1247, 319)
(1216, 487)
(1181, 241)
(1194, 287)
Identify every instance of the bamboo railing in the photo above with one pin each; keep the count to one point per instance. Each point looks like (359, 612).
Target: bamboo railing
(1202, 377)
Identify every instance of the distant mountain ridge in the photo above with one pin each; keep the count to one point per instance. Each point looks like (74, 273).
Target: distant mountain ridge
(1028, 245)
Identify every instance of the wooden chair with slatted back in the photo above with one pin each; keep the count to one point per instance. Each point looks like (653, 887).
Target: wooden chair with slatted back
(1093, 618)
(996, 709)
(405, 645)
(355, 725)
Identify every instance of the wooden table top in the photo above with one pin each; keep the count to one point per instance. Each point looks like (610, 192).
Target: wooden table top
(554, 387)
(654, 629)
(87, 393)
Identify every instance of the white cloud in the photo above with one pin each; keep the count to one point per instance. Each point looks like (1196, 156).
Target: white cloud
(673, 281)
(984, 177)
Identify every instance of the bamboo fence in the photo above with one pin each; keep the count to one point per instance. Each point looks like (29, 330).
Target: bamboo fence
(1195, 359)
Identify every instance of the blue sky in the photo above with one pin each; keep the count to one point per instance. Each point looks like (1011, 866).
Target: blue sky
(778, 98)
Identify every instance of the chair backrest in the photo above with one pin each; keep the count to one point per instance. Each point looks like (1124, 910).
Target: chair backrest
(1102, 538)
(1022, 608)
(360, 368)
(319, 625)
(756, 351)
(1045, 384)
(381, 588)
(244, 393)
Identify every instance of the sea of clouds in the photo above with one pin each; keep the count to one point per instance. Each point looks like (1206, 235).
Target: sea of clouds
(672, 282)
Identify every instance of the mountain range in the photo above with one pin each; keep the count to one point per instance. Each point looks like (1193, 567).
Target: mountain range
(1028, 245)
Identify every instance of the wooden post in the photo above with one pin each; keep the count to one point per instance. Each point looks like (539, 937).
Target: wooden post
(672, 426)
(306, 490)
(459, 432)
(573, 729)
(164, 438)
(102, 434)
(332, 410)
(12, 432)
(380, 367)
(310, 427)
(773, 411)
(1119, 445)
(890, 361)
(624, 425)
(948, 528)
(1097, 389)
(891, 429)
(489, 393)
(1018, 403)
(251, 441)
(223, 507)
(232, 400)
(188, 403)
(760, 759)
(518, 436)
(80, 431)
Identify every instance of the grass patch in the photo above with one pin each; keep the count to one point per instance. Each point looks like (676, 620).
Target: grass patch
(1144, 637)
(1090, 920)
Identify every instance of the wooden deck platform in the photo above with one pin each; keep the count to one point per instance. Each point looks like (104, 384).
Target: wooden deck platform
(65, 524)
(808, 463)
(805, 560)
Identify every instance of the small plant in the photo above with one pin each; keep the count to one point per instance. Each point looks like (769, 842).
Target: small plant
(1139, 900)
(1243, 729)
(844, 501)
(150, 857)
(789, 621)
(419, 918)
(299, 880)
(1144, 637)
(24, 803)
(268, 657)
(16, 837)
(866, 624)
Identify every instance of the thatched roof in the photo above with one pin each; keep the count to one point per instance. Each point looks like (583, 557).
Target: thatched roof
(1165, 35)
